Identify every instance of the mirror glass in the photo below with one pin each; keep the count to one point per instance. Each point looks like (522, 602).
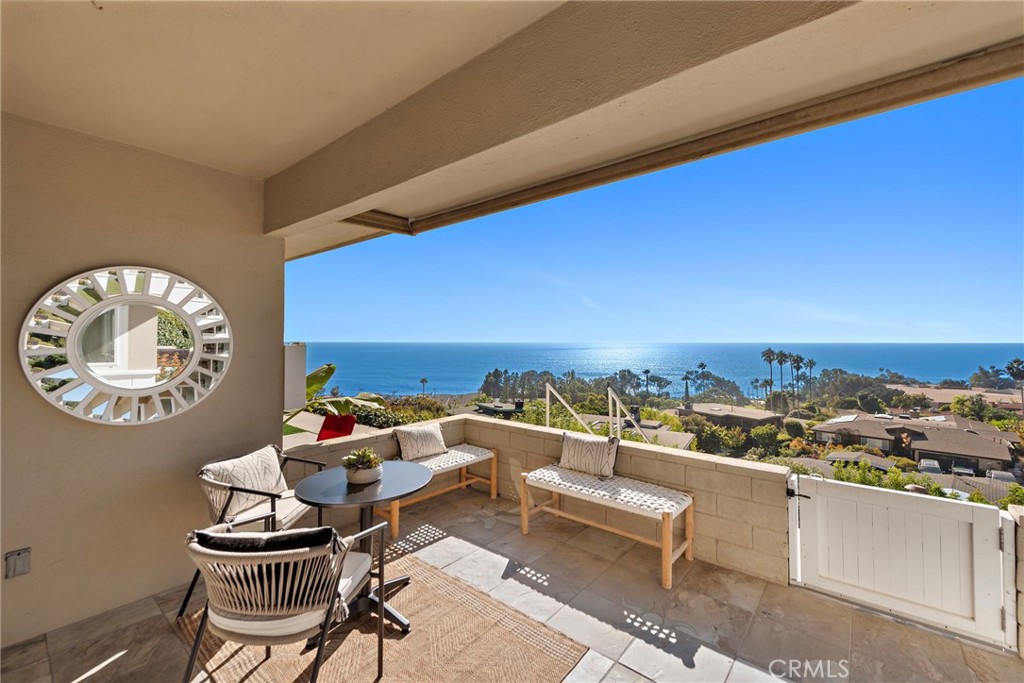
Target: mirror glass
(126, 345)
(136, 345)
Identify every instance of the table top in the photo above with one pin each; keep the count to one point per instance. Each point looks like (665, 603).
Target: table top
(331, 488)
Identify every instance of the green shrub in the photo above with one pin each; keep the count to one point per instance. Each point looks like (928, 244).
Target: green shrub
(172, 331)
(905, 464)
(381, 418)
(673, 421)
(848, 403)
(1014, 496)
(794, 428)
(766, 438)
(802, 414)
(864, 474)
(976, 497)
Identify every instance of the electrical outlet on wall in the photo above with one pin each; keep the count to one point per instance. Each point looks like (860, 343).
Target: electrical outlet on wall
(17, 562)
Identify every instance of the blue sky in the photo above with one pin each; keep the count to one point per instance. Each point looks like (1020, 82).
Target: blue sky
(906, 226)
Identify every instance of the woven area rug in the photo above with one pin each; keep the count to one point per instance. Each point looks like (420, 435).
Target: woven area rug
(458, 634)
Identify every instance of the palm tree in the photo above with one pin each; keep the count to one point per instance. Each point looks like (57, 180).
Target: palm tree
(809, 364)
(755, 384)
(796, 363)
(1015, 369)
(423, 381)
(687, 378)
(702, 375)
(767, 384)
(768, 356)
(782, 358)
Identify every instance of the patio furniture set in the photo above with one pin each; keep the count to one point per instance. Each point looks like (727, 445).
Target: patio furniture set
(281, 584)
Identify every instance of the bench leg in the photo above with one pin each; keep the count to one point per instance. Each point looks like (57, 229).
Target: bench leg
(524, 506)
(494, 475)
(688, 520)
(394, 519)
(666, 550)
(462, 475)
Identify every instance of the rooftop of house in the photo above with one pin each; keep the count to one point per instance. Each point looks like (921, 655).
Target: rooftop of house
(720, 409)
(950, 434)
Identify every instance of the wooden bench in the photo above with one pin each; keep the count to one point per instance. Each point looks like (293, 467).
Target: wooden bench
(621, 493)
(455, 458)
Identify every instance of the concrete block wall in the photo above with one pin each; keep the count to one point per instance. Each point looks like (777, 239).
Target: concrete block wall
(741, 515)
(740, 510)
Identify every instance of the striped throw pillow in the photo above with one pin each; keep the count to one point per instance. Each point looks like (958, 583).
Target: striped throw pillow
(589, 454)
(420, 441)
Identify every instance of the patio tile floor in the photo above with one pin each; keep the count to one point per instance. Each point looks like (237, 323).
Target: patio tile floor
(714, 625)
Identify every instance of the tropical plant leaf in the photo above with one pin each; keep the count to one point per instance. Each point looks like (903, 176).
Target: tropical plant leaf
(346, 405)
(318, 379)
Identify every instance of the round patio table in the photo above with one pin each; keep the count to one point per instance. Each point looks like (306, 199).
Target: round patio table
(331, 489)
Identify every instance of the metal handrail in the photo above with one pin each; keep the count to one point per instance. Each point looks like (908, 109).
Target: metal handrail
(615, 410)
(548, 390)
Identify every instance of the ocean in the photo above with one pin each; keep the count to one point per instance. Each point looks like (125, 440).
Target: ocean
(458, 368)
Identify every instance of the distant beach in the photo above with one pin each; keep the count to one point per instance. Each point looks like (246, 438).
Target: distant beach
(459, 368)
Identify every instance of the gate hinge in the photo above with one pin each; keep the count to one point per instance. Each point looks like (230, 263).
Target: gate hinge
(791, 493)
(1002, 618)
(1002, 542)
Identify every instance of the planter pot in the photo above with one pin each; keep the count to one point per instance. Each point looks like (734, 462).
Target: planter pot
(365, 476)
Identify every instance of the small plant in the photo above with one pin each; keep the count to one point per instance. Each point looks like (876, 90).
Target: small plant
(361, 459)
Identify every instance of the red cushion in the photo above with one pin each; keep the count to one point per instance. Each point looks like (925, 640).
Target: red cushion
(335, 426)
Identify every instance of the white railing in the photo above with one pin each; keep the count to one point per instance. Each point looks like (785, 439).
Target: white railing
(548, 390)
(615, 411)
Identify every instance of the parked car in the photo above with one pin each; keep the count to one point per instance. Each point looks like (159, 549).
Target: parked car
(999, 475)
(928, 466)
(962, 471)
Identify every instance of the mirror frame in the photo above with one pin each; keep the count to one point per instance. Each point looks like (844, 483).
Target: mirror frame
(207, 363)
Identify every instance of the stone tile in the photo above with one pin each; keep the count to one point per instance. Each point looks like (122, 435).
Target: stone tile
(591, 668)
(993, 667)
(817, 616)
(602, 543)
(535, 602)
(641, 592)
(32, 672)
(573, 564)
(481, 530)
(768, 640)
(146, 650)
(706, 619)
(623, 674)
(482, 569)
(171, 599)
(445, 551)
(93, 627)
(743, 672)
(645, 561)
(733, 588)
(595, 622)
(558, 528)
(883, 648)
(523, 548)
(686, 660)
(22, 654)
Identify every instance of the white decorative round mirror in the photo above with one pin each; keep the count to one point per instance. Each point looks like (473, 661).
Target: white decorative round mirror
(125, 345)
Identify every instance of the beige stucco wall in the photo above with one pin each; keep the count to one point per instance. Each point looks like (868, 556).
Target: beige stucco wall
(105, 508)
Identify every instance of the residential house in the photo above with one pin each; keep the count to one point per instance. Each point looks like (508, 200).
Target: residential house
(744, 417)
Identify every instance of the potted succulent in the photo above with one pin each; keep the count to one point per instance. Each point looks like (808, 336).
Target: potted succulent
(363, 466)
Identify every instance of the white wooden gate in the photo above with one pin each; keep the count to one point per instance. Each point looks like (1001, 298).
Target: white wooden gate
(941, 562)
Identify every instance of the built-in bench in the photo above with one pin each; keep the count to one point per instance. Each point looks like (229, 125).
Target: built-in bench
(631, 495)
(459, 458)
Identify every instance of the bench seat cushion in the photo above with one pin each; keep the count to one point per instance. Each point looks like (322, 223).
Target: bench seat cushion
(455, 458)
(630, 495)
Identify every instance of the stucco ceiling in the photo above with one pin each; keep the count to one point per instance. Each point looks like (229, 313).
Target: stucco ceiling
(246, 87)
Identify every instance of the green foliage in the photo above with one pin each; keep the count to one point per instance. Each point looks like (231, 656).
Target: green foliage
(287, 430)
(972, 406)
(795, 467)
(894, 479)
(905, 464)
(911, 401)
(318, 379)
(421, 407)
(1014, 496)
(992, 378)
(801, 414)
(377, 416)
(733, 437)
(794, 429)
(869, 402)
(848, 403)
(47, 362)
(50, 384)
(765, 437)
(534, 414)
(172, 331)
(976, 497)
(361, 459)
(671, 420)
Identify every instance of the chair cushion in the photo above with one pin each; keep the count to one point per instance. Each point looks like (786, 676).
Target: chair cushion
(629, 495)
(355, 567)
(420, 441)
(589, 454)
(276, 627)
(259, 470)
(455, 458)
(265, 542)
(335, 426)
(289, 511)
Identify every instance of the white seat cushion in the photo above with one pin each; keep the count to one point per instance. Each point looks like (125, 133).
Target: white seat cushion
(455, 458)
(356, 566)
(631, 495)
(289, 511)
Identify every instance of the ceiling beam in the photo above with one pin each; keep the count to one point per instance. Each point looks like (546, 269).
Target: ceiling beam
(381, 220)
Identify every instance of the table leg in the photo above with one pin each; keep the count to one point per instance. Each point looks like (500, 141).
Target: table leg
(371, 601)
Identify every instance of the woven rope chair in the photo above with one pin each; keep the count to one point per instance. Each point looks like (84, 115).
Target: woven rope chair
(275, 597)
(250, 490)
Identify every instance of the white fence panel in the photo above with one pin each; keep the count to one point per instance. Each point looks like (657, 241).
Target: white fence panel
(934, 560)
